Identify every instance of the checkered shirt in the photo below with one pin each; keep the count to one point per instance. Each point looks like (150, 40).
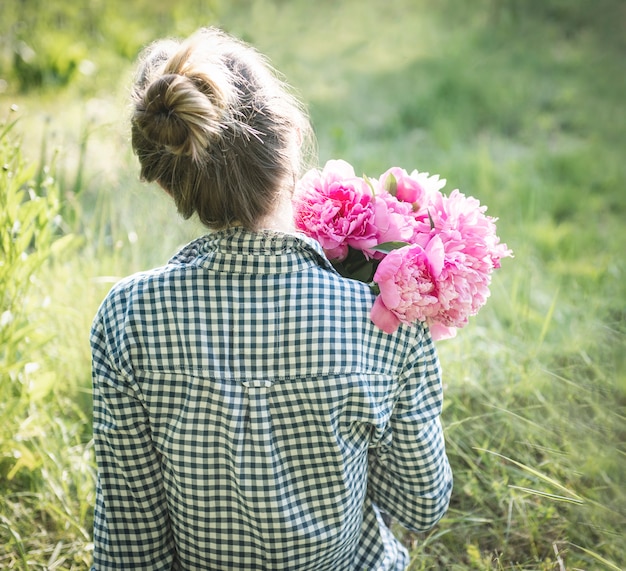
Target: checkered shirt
(249, 416)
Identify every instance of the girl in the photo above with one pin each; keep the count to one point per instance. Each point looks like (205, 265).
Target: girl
(247, 413)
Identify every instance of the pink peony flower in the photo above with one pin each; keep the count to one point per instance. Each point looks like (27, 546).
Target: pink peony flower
(471, 252)
(393, 220)
(462, 291)
(441, 277)
(337, 209)
(406, 189)
(407, 279)
(462, 223)
(415, 188)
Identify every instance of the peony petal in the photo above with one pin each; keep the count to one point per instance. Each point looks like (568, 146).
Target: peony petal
(439, 331)
(338, 169)
(383, 318)
(338, 253)
(435, 253)
(384, 278)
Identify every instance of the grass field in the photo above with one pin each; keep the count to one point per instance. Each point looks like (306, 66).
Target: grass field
(520, 104)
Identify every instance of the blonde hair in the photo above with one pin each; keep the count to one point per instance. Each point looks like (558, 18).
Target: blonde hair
(215, 126)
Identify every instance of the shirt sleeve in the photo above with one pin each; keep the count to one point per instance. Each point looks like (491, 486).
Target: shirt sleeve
(409, 472)
(131, 522)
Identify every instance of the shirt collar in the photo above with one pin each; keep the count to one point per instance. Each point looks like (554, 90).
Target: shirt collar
(264, 251)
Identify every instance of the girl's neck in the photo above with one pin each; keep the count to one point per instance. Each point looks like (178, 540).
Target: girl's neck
(281, 219)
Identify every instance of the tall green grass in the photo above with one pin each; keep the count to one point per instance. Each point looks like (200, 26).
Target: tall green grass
(516, 103)
(46, 470)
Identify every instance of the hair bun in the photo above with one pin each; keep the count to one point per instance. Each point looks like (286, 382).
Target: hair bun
(176, 115)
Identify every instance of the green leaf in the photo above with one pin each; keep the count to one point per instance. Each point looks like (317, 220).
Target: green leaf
(369, 183)
(356, 266)
(25, 459)
(432, 222)
(386, 247)
(391, 184)
(7, 128)
(41, 385)
(63, 242)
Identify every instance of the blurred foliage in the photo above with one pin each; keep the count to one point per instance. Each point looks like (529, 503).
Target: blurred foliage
(517, 102)
(29, 225)
(36, 447)
(48, 44)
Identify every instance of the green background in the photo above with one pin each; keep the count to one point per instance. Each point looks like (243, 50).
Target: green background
(518, 103)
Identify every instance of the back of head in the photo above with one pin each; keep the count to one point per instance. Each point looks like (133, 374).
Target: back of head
(216, 128)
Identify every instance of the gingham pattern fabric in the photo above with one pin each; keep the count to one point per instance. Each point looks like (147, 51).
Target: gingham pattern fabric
(249, 416)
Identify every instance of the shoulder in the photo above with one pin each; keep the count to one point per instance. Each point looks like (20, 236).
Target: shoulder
(344, 305)
(135, 288)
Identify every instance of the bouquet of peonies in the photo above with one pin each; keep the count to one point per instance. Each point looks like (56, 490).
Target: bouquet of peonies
(427, 256)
